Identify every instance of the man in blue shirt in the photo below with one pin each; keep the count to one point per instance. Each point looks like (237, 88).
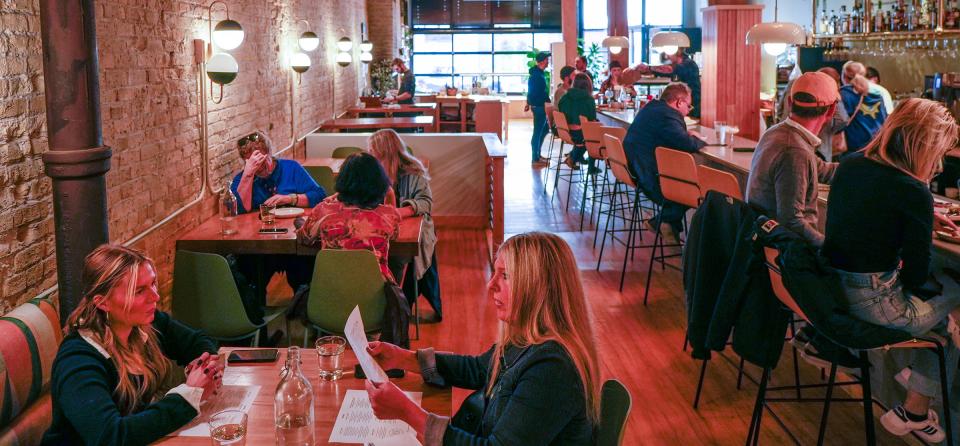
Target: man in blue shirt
(660, 124)
(537, 96)
(279, 182)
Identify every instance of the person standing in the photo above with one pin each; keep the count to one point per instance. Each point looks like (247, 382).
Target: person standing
(566, 81)
(785, 169)
(682, 69)
(408, 83)
(537, 97)
(863, 104)
(873, 75)
(660, 124)
(580, 64)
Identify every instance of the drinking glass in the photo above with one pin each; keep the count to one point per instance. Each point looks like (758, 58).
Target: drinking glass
(329, 351)
(718, 128)
(228, 428)
(266, 215)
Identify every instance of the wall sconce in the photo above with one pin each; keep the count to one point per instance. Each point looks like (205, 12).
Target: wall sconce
(221, 68)
(366, 46)
(309, 40)
(300, 62)
(343, 57)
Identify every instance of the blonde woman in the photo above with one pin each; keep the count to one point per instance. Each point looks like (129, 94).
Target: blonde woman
(878, 237)
(411, 185)
(540, 381)
(112, 377)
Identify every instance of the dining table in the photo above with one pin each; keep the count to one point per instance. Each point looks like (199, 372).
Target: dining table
(422, 123)
(327, 396)
(208, 237)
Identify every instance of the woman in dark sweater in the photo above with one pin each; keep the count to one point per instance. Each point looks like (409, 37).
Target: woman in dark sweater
(576, 102)
(539, 382)
(111, 380)
(878, 237)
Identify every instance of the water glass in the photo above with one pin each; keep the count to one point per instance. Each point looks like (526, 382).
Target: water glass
(228, 428)
(719, 127)
(266, 214)
(329, 351)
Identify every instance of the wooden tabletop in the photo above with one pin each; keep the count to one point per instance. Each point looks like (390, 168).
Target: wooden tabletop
(333, 163)
(726, 155)
(423, 122)
(248, 240)
(327, 396)
(426, 107)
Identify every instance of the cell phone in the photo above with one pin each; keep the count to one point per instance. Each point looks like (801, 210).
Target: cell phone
(253, 356)
(744, 149)
(273, 230)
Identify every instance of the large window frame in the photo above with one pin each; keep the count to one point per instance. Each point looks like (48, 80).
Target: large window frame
(635, 32)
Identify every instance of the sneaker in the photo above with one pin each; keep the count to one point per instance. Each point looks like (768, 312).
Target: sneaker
(666, 231)
(593, 170)
(540, 163)
(896, 422)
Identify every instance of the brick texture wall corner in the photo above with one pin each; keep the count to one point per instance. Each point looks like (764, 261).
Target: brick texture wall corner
(150, 112)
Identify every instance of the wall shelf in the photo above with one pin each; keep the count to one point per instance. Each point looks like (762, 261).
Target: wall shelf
(893, 35)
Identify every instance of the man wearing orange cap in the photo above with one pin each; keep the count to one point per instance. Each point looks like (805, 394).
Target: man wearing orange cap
(785, 169)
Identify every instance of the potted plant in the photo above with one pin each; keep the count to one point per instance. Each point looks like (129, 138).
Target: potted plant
(381, 81)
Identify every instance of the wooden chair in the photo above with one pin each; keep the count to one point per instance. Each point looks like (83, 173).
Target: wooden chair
(593, 140)
(563, 132)
(679, 183)
(552, 125)
(617, 161)
(606, 188)
(718, 180)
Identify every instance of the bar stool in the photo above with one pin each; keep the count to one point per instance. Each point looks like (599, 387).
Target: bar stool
(606, 188)
(678, 183)
(617, 161)
(593, 140)
(552, 125)
(782, 294)
(563, 132)
(718, 180)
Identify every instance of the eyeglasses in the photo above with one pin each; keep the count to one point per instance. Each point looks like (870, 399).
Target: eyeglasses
(253, 137)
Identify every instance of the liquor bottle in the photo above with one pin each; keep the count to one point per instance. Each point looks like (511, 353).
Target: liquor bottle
(824, 23)
(901, 17)
(228, 211)
(844, 20)
(293, 405)
(910, 17)
(855, 22)
(888, 18)
(878, 18)
(955, 15)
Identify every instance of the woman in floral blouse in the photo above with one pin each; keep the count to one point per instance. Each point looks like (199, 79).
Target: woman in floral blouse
(356, 216)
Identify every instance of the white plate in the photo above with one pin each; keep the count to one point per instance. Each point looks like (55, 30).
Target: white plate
(287, 212)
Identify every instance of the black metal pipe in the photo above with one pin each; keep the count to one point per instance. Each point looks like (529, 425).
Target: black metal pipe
(76, 160)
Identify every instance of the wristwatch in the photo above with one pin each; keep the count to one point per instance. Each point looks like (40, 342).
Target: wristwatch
(295, 198)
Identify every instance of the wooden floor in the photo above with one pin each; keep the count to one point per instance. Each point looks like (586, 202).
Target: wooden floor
(640, 346)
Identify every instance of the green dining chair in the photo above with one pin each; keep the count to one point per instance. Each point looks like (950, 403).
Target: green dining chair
(343, 152)
(206, 297)
(615, 405)
(323, 175)
(343, 279)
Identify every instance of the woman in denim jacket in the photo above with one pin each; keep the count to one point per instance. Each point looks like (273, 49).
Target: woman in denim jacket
(539, 382)
(878, 238)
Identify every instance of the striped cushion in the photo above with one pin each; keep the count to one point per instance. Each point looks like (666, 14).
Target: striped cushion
(29, 338)
(29, 427)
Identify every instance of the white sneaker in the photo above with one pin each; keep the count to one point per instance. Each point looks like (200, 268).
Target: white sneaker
(896, 422)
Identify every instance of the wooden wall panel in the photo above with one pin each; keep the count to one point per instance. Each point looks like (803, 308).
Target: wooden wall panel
(731, 68)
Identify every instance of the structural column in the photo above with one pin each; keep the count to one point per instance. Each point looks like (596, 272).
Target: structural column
(570, 19)
(730, 86)
(77, 160)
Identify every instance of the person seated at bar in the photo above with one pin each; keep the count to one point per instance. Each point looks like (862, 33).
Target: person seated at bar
(831, 129)
(540, 381)
(266, 179)
(411, 187)
(566, 82)
(785, 170)
(681, 68)
(883, 265)
(408, 84)
(356, 217)
(614, 80)
(113, 381)
(660, 124)
(873, 75)
(577, 102)
(864, 105)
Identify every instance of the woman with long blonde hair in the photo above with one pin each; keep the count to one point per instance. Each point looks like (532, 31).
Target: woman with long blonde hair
(878, 238)
(112, 379)
(411, 186)
(539, 383)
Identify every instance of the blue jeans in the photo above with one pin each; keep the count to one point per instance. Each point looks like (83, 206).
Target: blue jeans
(879, 298)
(540, 129)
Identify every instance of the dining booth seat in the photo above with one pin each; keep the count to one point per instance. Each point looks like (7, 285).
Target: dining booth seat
(29, 338)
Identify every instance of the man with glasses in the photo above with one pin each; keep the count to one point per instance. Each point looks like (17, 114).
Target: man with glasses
(279, 182)
(660, 124)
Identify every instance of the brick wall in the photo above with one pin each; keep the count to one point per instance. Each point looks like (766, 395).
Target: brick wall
(385, 22)
(150, 111)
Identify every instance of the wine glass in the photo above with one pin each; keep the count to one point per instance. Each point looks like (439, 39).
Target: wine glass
(609, 95)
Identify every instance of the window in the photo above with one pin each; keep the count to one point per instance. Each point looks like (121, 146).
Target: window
(497, 60)
(642, 15)
(485, 14)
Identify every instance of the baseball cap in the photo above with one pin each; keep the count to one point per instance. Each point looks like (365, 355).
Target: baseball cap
(541, 56)
(818, 85)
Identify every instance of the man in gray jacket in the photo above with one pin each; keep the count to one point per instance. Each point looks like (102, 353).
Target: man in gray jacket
(785, 170)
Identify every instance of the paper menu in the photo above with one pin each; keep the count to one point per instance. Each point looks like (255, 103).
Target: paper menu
(356, 423)
(357, 338)
(230, 397)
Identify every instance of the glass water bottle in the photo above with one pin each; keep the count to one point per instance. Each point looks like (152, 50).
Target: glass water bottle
(228, 211)
(293, 405)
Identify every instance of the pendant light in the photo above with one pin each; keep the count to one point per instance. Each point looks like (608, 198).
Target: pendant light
(615, 43)
(776, 36)
(670, 41)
